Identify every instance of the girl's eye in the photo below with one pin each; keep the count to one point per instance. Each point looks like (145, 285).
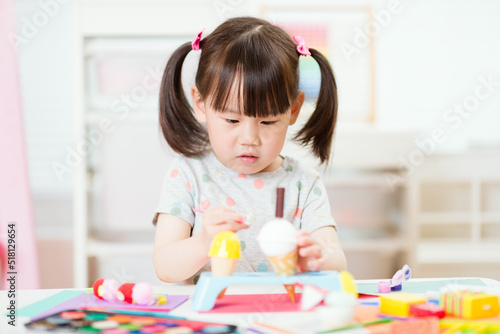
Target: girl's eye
(232, 121)
(268, 122)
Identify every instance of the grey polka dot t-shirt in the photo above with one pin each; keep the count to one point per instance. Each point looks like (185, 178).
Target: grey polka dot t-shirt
(192, 185)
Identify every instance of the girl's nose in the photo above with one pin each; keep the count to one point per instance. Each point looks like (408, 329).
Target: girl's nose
(249, 134)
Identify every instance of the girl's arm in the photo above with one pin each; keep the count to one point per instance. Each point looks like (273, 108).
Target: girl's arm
(320, 250)
(178, 256)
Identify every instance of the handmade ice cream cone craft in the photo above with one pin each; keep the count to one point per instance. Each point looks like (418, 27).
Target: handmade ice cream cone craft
(278, 242)
(224, 254)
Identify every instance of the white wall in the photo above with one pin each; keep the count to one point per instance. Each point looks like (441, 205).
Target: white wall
(430, 57)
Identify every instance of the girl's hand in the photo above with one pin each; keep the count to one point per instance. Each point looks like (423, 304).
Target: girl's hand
(219, 219)
(310, 255)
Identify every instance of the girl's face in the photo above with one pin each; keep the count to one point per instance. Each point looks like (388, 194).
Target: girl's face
(245, 144)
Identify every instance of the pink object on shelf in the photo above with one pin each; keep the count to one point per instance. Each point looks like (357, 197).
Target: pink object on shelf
(15, 194)
(384, 286)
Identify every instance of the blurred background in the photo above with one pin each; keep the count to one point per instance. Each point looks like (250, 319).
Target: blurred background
(415, 172)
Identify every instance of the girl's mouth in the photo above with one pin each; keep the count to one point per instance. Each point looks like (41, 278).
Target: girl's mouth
(248, 159)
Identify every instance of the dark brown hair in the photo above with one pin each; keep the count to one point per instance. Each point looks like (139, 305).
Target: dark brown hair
(262, 59)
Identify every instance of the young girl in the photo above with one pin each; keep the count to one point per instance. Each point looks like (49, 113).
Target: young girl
(246, 96)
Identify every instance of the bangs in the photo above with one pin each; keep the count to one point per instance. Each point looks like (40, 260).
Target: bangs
(262, 83)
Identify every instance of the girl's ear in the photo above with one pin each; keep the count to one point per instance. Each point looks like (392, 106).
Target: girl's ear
(198, 105)
(296, 107)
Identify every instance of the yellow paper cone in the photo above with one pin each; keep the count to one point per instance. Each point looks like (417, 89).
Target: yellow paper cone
(223, 267)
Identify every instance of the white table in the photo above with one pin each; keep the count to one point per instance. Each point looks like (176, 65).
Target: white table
(298, 322)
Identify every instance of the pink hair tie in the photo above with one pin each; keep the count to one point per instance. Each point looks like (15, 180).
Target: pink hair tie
(195, 44)
(301, 46)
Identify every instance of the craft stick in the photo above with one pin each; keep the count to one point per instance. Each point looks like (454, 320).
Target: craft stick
(281, 330)
(254, 331)
(358, 325)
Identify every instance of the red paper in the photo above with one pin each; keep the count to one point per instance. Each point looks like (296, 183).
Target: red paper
(256, 303)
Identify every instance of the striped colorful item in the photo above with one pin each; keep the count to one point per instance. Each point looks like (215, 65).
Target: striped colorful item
(469, 304)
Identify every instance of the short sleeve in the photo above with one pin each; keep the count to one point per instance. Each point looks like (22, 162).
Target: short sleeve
(176, 197)
(317, 212)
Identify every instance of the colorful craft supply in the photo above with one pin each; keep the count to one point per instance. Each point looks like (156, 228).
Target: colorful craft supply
(396, 282)
(106, 289)
(427, 310)
(74, 315)
(131, 327)
(105, 324)
(116, 323)
(406, 272)
(398, 304)
(95, 316)
(208, 286)
(450, 325)
(311, 296)
(142, 294)
(180, 330)
(121, 319)
(115, 331)
(225, 252)
(384, 286)
(136, 293)
(397, 279)
(348, 284)
(358, 325)
(57, 320)
(470, 305)
(124, 292)
(428, 325)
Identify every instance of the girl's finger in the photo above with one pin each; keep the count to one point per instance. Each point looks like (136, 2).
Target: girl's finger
(310, 251)
(303, 241)
(315, 264)
(225, 217)
(236, 227)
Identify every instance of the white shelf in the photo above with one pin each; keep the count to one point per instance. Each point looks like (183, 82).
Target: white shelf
(132, 242)
(383, 245)
(108, 248)
(357, 179)
(490, 217)
(445, 251)
(444, 218)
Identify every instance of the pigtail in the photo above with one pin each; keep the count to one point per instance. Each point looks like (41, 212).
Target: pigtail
(317, 133)
(183, 132)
